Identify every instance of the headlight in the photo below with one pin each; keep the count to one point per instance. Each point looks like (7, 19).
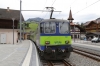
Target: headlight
(47, 42)
(66, 42)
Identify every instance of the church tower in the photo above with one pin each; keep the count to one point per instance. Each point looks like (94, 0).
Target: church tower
(70, 18)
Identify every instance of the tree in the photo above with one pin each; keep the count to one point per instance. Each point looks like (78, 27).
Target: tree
(82, 25)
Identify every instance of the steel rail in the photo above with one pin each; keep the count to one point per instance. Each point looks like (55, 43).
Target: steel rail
(50, 63)
(87, 54)
(67, 63)
(62, 62)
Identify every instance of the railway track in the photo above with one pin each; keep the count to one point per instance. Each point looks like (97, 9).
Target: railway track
(67, 63)
(50, 63)
(87, 54)
(57, 63)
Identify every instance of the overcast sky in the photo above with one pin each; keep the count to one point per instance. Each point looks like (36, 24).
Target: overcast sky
(82, 10)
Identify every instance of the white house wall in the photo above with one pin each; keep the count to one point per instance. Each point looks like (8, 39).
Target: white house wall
(9, 35)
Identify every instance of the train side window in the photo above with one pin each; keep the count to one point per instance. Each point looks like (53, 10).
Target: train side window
(41, 28)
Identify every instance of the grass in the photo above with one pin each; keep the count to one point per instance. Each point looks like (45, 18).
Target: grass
(32, 28)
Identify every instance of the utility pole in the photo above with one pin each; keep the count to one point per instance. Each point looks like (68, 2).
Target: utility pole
(20, 21)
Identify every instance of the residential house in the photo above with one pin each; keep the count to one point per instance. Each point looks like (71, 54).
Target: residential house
(92, 28)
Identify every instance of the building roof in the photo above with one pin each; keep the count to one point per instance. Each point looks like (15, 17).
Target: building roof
(71, 23)
(98, 20)
(70, 16)
(95, 21)
(85, 24)
(8, 15)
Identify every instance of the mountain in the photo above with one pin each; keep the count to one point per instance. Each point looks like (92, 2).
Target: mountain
(37, 19)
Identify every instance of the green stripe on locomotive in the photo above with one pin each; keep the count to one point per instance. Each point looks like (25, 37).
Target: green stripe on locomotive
(55, 40)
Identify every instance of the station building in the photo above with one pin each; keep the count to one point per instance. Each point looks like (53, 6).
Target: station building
(76, 31)
(9, 20)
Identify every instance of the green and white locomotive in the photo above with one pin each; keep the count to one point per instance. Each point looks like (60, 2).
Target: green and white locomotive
(54, 39)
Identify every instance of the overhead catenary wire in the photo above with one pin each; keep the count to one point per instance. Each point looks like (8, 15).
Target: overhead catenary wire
(45, 15)
(44, 8)
(73, 2)
(51, 6)
(45, 4)
(86, 7)
(53, 2)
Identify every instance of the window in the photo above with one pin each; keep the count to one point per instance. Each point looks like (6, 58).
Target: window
(64, 27)
(41, 28)
(99, 25)
(50, 27)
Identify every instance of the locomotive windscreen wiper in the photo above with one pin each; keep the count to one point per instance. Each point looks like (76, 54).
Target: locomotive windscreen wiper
(62, 24)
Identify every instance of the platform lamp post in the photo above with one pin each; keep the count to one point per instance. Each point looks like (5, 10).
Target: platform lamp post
(13, 19)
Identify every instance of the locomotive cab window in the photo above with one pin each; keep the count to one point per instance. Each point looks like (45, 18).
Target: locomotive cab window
(50, 27)
(63, 27)
(41, 28)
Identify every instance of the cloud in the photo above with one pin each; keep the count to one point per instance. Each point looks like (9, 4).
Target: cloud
(86, 17)
(77, 18)
(89, 13)
(45, 15)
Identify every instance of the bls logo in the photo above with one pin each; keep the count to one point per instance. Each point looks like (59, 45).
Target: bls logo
(57, 42)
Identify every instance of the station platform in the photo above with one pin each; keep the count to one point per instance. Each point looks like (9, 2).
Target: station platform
(19, 54)
(87, 46)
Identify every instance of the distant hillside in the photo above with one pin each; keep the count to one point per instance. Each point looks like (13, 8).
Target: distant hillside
(37, 19)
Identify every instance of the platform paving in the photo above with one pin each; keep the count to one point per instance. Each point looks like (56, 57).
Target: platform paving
(13, 54)
(85, 42)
